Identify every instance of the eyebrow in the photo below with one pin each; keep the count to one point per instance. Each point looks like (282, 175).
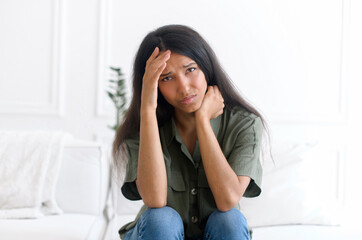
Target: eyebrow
(188, 65)
(185, 66)
(163, 75)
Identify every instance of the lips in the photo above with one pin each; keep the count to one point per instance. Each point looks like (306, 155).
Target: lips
(188, 100)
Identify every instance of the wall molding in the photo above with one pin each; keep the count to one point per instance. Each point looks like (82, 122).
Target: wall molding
(104, 26)
(55, 106)
(345, 55)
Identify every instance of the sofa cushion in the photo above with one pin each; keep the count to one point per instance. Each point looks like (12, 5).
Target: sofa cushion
(300, 188)
(55, 227)
(302, 232)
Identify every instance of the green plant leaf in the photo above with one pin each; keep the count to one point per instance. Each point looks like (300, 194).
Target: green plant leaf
(115, 69)
(117, 92)
(111, 95)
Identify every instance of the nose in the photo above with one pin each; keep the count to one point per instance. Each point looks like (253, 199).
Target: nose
(183, 85)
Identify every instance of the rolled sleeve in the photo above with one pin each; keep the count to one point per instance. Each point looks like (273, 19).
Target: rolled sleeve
(129, 188)
(244, 158)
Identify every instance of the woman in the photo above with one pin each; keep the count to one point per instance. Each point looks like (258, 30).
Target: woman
(191, 141)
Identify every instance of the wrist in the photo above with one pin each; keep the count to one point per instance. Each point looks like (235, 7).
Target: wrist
(148, 100)
(148, 105)
(201, 117)
(147, 111)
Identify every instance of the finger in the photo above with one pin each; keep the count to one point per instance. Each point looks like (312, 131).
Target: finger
(164, 56)
(159, 60)
(154, 54)
(160, 63)
(220, 96)
(210, 89)
(151, 59)
(216, 89)
(160, 70)
(218, 93)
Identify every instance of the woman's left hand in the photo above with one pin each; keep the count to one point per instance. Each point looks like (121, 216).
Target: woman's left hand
(212, 105)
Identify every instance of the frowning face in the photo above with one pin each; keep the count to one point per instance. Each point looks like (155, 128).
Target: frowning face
(182, 83)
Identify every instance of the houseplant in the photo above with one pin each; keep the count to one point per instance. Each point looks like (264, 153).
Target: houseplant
(117, 93)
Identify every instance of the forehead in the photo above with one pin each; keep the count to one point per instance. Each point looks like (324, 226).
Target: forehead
(178, 60)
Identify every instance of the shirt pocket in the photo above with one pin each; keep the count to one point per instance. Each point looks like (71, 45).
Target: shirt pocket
(177, 197)
(177, 182)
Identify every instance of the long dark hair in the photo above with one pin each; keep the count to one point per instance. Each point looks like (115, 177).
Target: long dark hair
(185, 41)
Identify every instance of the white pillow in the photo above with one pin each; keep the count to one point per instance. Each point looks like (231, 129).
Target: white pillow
(299, 189)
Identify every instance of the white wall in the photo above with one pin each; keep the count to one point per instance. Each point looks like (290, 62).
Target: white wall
(49, 59)
(299, 62)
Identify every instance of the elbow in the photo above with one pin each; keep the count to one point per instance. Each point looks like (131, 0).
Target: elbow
(153, 199)
(155, 202)
(224, 207)
(226, 204)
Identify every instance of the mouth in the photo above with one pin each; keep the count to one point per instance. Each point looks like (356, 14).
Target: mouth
(188, 100)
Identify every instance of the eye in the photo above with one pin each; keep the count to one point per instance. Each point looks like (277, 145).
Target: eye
(191, 69)
(165, 79)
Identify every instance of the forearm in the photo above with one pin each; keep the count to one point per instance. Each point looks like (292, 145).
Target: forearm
(223, 181)
(151, 173)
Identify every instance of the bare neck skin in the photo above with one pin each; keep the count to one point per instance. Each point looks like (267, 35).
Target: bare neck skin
(186, 126)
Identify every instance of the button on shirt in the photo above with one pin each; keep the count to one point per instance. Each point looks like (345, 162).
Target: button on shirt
(239, 135)
(194, 191)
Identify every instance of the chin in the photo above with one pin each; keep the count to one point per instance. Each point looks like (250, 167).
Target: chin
(190, 109)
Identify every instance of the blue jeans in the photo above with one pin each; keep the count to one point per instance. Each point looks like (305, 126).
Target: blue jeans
(165, 223)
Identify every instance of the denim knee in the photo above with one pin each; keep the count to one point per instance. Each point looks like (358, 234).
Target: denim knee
(227, 225)
(160, 223)
(164, 215)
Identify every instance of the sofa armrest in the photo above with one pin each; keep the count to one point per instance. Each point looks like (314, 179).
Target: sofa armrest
(84, 177)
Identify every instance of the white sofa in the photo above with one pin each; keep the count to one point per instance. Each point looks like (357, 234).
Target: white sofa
(300, 199)
(285, 232)
(82, 192)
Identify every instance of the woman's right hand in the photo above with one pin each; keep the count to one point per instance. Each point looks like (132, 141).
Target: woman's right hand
(155, 64)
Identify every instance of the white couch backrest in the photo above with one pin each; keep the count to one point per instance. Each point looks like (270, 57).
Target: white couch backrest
(83, 181)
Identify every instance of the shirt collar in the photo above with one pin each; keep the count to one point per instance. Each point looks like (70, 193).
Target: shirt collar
(170, 132)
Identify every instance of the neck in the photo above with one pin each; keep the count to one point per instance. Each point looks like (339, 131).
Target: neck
(185, 121)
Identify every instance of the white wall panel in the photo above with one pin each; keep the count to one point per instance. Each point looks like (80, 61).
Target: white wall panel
(104, 105)
(302, 76)
(30, 77)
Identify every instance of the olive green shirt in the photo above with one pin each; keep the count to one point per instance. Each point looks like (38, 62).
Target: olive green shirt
(239, 135)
